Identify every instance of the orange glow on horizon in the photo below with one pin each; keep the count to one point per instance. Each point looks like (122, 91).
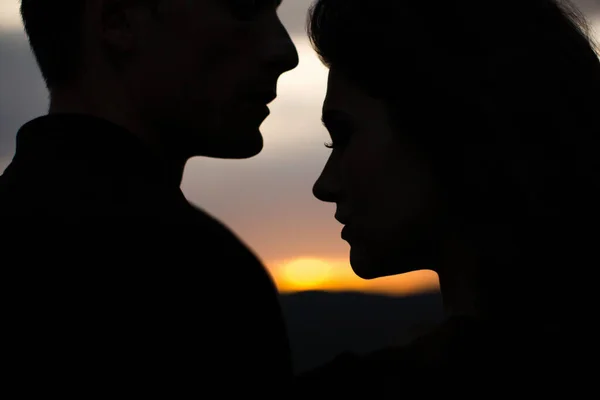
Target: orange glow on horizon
(305, 274)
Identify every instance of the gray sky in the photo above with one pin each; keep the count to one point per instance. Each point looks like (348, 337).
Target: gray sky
(267, 200)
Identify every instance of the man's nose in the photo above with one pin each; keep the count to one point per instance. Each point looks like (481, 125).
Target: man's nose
(284, 56)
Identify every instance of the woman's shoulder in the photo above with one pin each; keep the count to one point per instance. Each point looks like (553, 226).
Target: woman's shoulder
(451, 345)
(459, 348)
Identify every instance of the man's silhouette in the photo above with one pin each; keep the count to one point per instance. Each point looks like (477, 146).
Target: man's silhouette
(115, 283)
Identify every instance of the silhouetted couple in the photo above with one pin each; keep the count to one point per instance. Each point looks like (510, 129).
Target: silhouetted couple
(464, 140)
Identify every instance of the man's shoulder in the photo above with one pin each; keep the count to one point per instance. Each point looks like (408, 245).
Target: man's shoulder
(199, 222)
(15, 199)
(198, 216)
(219, 239)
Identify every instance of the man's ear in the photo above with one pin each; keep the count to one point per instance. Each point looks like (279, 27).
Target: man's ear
(123, 23)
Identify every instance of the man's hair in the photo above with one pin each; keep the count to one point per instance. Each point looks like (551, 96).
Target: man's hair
(54, 29)
(502, 97)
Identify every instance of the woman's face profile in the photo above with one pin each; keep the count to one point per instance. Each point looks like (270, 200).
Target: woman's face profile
(381, 186)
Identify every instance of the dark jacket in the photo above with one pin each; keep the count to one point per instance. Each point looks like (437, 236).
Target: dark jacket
(114, 281)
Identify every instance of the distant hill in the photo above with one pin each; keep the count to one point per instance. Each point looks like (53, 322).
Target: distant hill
(322, 325)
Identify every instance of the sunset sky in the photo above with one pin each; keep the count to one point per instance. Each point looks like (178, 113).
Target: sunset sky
(266, 200)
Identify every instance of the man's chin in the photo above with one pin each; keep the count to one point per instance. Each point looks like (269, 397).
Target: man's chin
(236, 148)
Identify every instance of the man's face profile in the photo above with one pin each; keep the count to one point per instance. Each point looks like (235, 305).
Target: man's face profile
(201, 71)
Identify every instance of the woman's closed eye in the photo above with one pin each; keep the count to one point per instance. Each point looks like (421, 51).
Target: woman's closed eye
(337, 144)
(340, 136)
(339, 126)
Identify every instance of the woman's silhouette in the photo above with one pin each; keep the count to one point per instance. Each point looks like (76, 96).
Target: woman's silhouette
(466, 139)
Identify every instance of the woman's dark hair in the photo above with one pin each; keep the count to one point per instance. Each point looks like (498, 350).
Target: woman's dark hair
(504, 98)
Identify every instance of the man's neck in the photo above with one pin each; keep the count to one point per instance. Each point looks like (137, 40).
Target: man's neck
(72, 102)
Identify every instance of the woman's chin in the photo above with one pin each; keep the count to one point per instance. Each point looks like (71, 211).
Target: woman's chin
(367, 267)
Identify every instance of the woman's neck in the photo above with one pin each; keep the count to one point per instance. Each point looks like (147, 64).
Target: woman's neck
(460, 285)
